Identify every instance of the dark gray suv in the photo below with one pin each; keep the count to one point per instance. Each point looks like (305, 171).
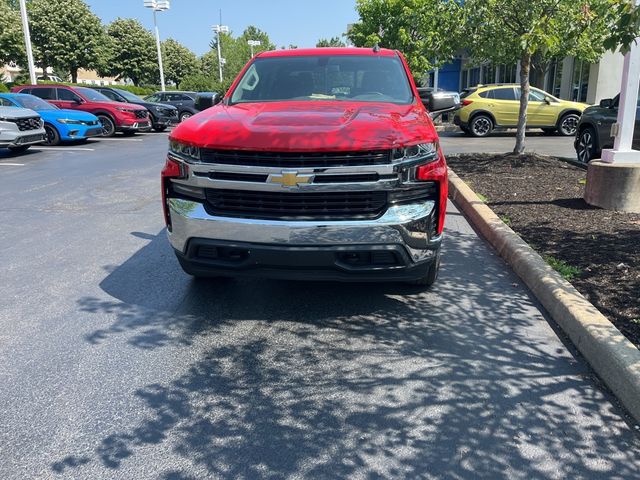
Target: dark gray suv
(183, 101)
(594, 129)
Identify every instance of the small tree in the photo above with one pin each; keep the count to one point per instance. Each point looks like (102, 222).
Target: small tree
(131, 52)
(332, 42)
(508, 31)
(11, 41)
(178, 61)
(65, 35)
(425, 31)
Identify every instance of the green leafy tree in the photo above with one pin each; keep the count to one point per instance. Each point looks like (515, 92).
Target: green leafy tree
(131, 52)
(332, 42)
(508, 31)
(11, 40)
(65, 35)
(178, 61)
(425, 31)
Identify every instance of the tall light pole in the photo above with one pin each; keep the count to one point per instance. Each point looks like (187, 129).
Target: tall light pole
(220, 29)
(158, 6)
(254, 43)
(27, 42)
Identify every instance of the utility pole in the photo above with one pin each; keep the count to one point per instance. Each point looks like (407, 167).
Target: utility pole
(158, 6)
(27, 42)
(220, 29)
(254, 43)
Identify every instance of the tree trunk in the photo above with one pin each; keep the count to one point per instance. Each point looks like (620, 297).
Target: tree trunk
(525, 64)
(74, 74)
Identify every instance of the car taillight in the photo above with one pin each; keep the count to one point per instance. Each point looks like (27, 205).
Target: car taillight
(172, 169)
(436, 171)
(466, 102)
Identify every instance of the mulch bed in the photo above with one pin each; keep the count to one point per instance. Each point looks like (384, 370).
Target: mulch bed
(541, 198)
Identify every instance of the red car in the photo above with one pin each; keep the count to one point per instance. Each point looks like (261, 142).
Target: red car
(114, 116)
(318, 164)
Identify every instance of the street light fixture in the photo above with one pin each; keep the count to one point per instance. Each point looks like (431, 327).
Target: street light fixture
(218, 29)
(27, 42)
(158, 6)
(254, 43)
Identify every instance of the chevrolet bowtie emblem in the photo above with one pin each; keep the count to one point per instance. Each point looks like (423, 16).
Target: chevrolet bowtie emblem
(290, 178)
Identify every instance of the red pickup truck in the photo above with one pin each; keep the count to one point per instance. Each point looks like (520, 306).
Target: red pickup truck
(318, 164)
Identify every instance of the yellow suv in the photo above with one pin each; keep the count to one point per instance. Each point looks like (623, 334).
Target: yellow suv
(488, 107)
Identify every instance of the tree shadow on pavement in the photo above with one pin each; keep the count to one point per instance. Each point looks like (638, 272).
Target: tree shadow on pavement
(318, 380)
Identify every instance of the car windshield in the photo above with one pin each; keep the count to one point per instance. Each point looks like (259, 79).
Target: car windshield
(33, 102)
(93, 95)
(128, 95)
(341, 77)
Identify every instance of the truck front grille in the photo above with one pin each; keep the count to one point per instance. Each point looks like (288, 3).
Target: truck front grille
(296, 206)
(296, 160)
(30, 123)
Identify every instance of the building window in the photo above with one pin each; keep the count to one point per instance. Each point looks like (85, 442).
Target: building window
(580, 81)
(507, 74)
(554, 78)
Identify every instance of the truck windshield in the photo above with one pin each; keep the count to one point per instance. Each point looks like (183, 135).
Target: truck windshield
(324, 77)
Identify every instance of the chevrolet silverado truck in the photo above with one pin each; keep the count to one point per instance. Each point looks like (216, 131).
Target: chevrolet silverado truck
(20, 128)
(317, 164)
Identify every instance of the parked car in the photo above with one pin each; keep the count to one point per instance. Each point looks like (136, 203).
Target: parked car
(489, 107)
(594, 130)
(161, 115)
(60, 125)
(183, 101)
(114, 116)
(301, 173)
(20, 128)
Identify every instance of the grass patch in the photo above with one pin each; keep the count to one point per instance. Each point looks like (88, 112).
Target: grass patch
(506, 220)
(568, 272)
(582, 181)
(482, 198)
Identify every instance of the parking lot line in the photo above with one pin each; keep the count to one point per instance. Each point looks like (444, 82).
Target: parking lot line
(120, 139)
(13, 164)
(64, 149)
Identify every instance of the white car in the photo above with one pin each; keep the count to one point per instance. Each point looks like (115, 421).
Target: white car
(20, 128)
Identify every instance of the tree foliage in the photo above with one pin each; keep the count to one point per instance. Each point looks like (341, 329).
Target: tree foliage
(507, 31)
(178, 61)
(11, 41)
(131, 52)
(65, 35)
(332, 42)
(425, 31)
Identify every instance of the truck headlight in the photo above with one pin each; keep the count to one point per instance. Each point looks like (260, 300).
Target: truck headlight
(415, 152)
(184, 150)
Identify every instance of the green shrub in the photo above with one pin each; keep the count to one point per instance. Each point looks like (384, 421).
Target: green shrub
(203, 83)
(3, 88)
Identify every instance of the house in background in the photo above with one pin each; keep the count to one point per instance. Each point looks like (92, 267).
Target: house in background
(11, 71)
(569, 79)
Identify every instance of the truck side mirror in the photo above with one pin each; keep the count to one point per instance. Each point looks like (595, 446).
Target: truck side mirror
(206, 100)
(439, 103)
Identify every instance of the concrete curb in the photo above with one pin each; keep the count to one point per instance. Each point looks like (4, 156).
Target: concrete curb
(614, 358)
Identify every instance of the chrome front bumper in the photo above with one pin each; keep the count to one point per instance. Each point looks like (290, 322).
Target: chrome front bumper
(407, 226)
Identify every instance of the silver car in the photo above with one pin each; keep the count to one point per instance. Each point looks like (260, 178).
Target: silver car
(20, 128)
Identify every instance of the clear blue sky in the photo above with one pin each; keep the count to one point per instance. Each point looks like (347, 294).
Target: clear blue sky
(298, 22)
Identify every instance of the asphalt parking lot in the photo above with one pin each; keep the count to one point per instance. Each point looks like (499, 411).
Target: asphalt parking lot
(502, 142)
(114, 364)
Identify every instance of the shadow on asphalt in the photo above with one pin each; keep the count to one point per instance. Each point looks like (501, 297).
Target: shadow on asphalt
(320, 380)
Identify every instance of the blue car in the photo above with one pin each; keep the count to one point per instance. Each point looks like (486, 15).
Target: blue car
(60, 125)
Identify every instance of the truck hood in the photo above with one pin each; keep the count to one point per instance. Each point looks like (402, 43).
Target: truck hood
(15, 112)
(307, 126)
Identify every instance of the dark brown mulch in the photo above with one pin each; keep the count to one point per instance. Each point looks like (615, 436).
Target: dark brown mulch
(541, 198)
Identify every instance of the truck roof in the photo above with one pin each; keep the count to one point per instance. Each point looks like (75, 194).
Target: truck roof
(301, 52)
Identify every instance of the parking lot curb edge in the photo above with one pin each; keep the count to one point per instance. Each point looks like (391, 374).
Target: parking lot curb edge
(614, 358)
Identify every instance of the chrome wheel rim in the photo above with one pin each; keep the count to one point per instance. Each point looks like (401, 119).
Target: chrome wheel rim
(569, 125)
(585, 146)
(481, 126)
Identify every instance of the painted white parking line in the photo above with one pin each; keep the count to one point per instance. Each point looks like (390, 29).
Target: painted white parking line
(64, 149)
(120, 139)
(13, 164)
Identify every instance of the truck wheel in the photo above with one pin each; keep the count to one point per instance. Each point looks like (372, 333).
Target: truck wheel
(53, 137)
(481, 126)
(20, 149)
(430, 278)
(108, 125)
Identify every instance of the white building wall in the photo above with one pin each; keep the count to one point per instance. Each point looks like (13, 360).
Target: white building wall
(605, 77)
